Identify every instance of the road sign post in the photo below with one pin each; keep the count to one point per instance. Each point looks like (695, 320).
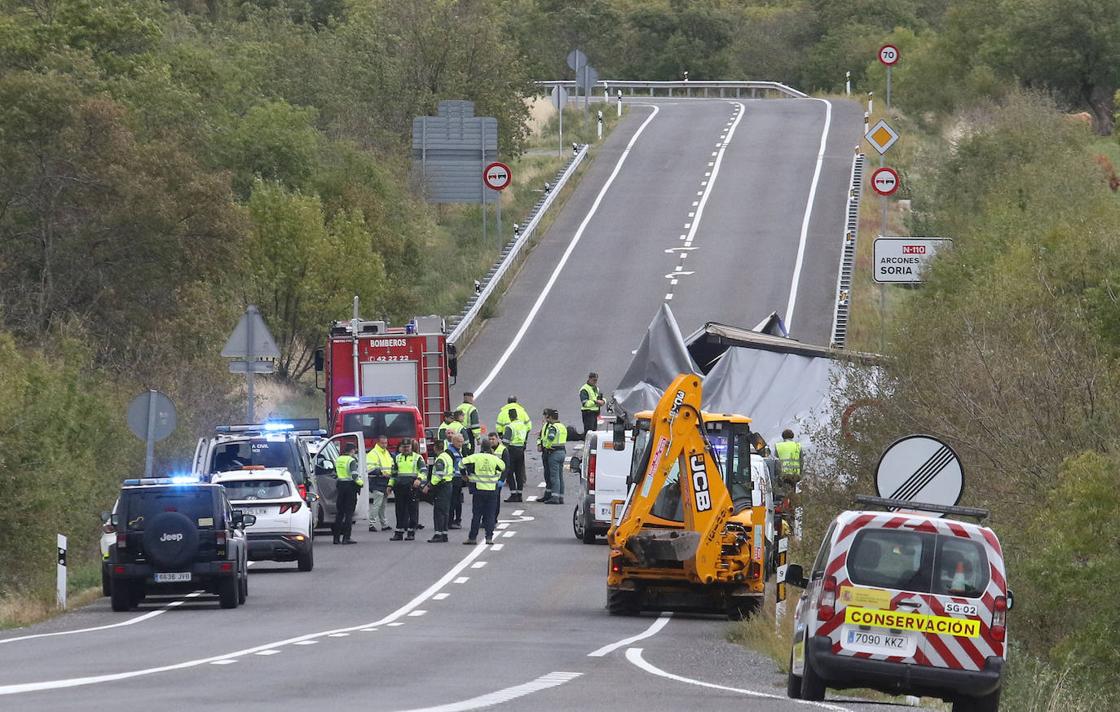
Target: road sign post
(560, 100)
(253, 349)
(497, 177)
(888, 55)
(151, 417)
(881, 137)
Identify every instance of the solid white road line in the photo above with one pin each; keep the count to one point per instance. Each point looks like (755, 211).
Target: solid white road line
(553, 679)
(130, 621)
(478, 390)
(808, 216)
(634, 655)
(390, 620)
(657, 625)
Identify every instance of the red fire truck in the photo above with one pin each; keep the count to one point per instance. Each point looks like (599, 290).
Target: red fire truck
(369, 358)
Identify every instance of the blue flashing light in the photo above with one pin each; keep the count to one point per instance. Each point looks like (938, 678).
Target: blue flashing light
(184, 479)
(372, 400)
(277, 426)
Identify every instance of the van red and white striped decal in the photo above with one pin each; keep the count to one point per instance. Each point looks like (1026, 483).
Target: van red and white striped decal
(933, 650)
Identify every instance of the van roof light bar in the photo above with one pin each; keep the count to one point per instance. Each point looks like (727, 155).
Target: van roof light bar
(887, 503)
(372, 400)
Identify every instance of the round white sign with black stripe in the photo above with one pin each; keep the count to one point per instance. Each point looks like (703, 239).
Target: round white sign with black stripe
(920, 469)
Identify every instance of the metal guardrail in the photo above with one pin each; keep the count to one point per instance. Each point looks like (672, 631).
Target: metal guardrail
(848, 256)
(690, 88)
(513, 248)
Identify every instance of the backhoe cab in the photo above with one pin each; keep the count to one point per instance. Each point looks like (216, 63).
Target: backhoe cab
(697, 527)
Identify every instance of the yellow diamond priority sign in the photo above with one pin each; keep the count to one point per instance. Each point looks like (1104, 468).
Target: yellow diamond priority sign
(881, 136)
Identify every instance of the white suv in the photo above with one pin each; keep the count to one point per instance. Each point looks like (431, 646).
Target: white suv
(283, 530)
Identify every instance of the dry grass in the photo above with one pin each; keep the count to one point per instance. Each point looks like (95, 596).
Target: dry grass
(21, 610)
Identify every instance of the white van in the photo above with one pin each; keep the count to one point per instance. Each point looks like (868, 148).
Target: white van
(602, 479)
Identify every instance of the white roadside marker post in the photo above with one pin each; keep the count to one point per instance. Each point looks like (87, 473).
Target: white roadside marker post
(61, 573)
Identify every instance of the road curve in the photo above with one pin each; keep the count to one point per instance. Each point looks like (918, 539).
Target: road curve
(417, 626)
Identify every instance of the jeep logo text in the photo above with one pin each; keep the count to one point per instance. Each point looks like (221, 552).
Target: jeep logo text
(172, 537)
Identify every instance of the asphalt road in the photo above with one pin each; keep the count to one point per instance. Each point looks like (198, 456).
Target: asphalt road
(418, 626)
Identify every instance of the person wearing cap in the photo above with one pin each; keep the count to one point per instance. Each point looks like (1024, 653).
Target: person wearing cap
(455, 450)
(437, 484)
(500, 449)
(553, 446)
(590, 401)
(484, 471)
(380, 462)
(471, 425)
(407, 469)
(349, 484)
(514, 434)
(449, 425)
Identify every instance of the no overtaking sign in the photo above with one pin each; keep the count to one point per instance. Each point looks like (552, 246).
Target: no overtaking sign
(497, 176)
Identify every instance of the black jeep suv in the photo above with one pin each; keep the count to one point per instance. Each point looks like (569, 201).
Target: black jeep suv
(176, 537)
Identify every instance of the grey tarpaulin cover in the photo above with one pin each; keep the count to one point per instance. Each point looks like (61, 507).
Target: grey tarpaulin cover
(661, 358)
(777, 382)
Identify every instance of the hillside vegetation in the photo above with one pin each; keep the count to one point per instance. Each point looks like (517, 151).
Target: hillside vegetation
(167, 163)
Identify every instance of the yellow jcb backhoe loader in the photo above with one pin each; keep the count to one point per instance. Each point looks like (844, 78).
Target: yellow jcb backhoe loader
(694, 532)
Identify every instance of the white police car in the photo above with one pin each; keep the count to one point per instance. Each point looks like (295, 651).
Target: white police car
(284, 527)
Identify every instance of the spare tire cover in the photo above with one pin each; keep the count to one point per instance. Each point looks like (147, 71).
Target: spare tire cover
(171, 540)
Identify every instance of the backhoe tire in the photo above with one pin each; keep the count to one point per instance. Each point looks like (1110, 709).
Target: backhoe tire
(741, 608)
(793, 682)
(622, 603)
(812, 686)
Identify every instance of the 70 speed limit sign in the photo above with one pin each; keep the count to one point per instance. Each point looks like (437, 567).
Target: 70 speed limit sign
(888, 55)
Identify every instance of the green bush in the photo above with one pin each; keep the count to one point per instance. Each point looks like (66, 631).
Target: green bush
(63, 451)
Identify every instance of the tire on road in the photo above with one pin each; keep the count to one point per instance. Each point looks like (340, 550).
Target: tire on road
(229, 589)
(987, 703)
(306, 560)
(242, 588)
(812, 686)
(121, 596)
(740, 608)
(622, 603)
(793, 682)
(106, 583)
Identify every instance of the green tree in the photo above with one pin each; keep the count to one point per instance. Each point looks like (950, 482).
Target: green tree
(305, 268)
(1071, 47)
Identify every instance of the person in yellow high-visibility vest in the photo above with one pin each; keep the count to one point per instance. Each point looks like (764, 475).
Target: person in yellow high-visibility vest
(380, 463)
(483, 470)
(349, 484)
(789, 457)
(514, 435)
(554, 450)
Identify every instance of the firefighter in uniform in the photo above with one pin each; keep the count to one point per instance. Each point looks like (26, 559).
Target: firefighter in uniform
(437, 483)
(380, 462)
(408, 466)
(471, 426)
(455, 449)
(349, 485)
(590, 401)
(553, 446)
(484, 470)
(515, 433)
